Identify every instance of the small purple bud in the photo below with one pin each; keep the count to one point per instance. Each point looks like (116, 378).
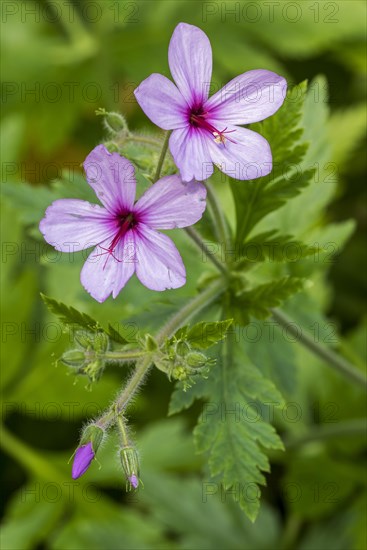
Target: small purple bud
(83, 457)
(134, 481)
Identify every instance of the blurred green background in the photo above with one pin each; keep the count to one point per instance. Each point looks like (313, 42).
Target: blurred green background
(60, 62)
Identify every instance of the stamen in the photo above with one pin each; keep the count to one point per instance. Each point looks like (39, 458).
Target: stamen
(125, 224)
(198, 119)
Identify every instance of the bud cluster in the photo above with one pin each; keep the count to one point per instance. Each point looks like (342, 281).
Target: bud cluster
(88, 357)
(184, 363)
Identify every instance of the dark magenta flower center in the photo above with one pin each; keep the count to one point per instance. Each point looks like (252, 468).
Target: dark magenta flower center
(199, 119)
(125, 222)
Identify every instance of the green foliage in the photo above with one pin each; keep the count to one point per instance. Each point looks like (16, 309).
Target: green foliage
(258, 301)
(301, 209)
(269, 246)
(70, 316)
(231, 431)
(74, 319)
(259, 197)
(203, 335)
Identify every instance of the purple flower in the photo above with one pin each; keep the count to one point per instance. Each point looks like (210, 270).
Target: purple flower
(205, 131)
(124, 233)
(83, 457)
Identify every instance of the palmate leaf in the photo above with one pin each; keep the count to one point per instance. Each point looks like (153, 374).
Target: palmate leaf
(231, 430)
(257, 198)
(258, 301)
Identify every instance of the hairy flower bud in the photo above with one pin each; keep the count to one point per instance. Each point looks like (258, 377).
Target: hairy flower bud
(73, 358)
(196, 359)
(90, 441)
(113, 122)
(130, 463)
(82, 459)
(94, 434)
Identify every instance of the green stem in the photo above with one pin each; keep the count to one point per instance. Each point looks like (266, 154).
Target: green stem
(328, 355)
(348, 428)
(124, 355)
(196, 237)
(198, 303)
(162, 157)
(221, 225)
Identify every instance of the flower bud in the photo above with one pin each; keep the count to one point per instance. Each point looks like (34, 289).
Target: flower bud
(130, 463)
(115, 123)
(195, 359)
(100, 342)
(82, 459)
(94, 434)
(89, 443)
(73, 358)
(84, 338)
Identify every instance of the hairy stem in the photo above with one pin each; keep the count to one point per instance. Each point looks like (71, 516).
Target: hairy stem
(328, 355)
(123, 355)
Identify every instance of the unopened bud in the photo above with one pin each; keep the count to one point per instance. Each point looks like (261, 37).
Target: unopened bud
(84, 338)
(130, 464)
(73, 358)
(90, 441)
(113, 122)
(101, 342)
(195, 359)
(94, 434)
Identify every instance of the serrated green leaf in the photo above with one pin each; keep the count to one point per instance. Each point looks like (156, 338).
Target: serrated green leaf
(70, 316)
(269, 246)
(259, 197)
(232, 432)
(181, 400)
(258, 301)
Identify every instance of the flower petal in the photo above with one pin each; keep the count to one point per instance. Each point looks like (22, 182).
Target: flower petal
(112, 177)
(104, 273)
(159, 265)
(250, 97)
(247, 157)
(70, 225)
(189, 149)
(190, 62)
(170, 203)
(162, 102)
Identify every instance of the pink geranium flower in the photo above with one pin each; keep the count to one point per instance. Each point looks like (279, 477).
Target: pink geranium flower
(205, 130)
(125, 234)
